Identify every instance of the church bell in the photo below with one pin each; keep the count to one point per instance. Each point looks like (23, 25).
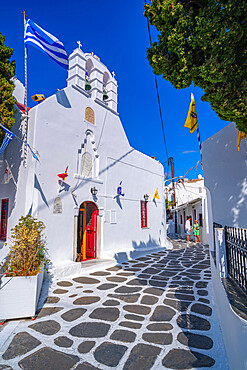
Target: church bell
(105, 96)
(87, 86)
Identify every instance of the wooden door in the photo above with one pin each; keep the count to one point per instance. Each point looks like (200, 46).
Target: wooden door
(87, 231)
(91, 230)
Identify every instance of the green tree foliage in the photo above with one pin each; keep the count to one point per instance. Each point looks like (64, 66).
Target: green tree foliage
(204, 42)
(7, 101)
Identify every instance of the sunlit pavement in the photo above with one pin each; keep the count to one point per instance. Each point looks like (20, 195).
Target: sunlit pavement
(153, 312)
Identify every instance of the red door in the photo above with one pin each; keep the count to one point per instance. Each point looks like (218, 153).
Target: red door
(91, 229)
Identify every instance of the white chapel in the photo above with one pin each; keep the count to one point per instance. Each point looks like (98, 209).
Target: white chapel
(105, 206)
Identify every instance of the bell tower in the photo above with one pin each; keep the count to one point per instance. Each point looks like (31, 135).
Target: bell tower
(90, 74)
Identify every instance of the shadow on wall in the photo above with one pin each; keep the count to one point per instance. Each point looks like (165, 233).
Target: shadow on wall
(63, 99)
(14, 158)
(79, 185)
(139, 250)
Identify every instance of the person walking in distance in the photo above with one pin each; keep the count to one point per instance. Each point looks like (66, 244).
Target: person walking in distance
(188, 228)
(196, 231)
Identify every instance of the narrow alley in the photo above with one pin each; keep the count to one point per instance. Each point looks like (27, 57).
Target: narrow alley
(153, 312)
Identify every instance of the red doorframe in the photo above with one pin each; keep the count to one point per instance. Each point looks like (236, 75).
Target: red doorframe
(87, 231)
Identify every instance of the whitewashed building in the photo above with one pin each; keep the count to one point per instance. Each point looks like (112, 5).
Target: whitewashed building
(99, 210)
(191, 201)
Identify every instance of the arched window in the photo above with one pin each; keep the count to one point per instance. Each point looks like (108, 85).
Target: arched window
(87, 165)
(89, 115)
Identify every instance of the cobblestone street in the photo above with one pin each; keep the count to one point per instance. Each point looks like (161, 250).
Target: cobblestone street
(153, 312)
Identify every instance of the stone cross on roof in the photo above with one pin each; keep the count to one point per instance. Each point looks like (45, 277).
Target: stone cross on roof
(79, 44)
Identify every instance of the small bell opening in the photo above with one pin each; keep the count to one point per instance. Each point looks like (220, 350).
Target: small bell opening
(105, 96)
(87, 85)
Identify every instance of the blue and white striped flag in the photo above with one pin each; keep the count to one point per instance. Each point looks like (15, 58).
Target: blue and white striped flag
(7, 138)
(45, 42)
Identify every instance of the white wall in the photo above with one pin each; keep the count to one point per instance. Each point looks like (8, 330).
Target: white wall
(58, 130)
(225, 173)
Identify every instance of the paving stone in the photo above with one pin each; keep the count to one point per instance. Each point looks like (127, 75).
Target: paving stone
(201, 309)
(154, 291)
(184, 359)
(63, 342)
(64, 283)
(5, 367)
(184, 297)
(73, 314)
(149, 300)
(185, 291)
(106, 314)
(123, 336)
(100, 273)
(195, 340)
(72, 295)
(86, 300)
(129, 324)
(52, 300)
(137, 309)
(137, 282)
(111, 302)
(193, 322)
(127, 289)
(134, 317)
(202, 292)
(142, 357)
(161, 278)
(183, 283)
(158, 338)
(48, 311)
(109, 354)
(90, 330)
(159, 327)
(151, 271)
(60, 291)
(204, 300)
(132, 269)
(114, 268)
(116, 279)
(125, 273)
(86, 346)
(178, 305)
(48, 327)
(128, 298)
(162, 313)
(86, 280)
(20, 344)
(79, 287)
(45, 358)
(143, 259)
(144, 276)
(86, 366)
(160, 284)
(168, 273)
(106, 286)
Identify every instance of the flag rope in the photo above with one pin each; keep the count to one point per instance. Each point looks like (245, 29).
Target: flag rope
(26, 117)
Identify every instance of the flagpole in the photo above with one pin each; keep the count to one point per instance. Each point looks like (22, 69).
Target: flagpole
(25, 99)
(199, 141)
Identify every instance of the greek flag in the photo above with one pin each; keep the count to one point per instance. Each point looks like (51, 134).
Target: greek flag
(7, 138)
(45, 42)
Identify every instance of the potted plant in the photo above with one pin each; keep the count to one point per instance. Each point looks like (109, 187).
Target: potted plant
(22, 273)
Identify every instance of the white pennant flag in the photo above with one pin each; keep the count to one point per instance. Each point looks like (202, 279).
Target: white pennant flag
(7, 175)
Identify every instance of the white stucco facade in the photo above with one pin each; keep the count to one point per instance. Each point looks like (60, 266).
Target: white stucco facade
(98, 154)
(225, 171)
(191, 200)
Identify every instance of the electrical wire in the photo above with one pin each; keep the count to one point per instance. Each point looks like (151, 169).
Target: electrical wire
(158, 96)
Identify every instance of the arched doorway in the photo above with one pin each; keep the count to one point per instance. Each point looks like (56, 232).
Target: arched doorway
(87, 231)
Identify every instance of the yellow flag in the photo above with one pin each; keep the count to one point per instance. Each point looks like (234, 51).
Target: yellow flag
(156, 195)
(241, 136)
(192, 120)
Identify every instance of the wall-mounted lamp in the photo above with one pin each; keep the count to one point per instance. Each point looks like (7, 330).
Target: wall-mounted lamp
(146, 196)
(94, 191)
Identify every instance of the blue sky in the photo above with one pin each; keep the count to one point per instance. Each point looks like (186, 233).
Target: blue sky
(117, 32)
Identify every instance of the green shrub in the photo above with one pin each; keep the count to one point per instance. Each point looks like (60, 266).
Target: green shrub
(28, 251)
